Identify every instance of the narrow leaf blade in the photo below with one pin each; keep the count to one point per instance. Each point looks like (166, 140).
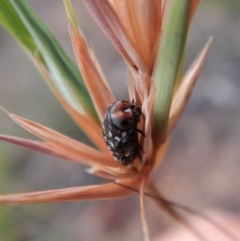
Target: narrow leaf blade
(90, 68)
(94, 192)
(167, 64)
(10, 19)
(66, 76)
(183, 94)
(65, 146)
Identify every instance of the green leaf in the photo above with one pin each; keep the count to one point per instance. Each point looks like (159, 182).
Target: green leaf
(12, 22)
(167, 64)
(64, 72)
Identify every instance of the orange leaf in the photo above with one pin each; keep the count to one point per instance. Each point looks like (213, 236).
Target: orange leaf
(42, 147)
(93, 192)
(193, 8)
(92, 74)
(113, 173)
(141, 21)
(66, 146)
(109, 22)
(183, 93)
(88, 124)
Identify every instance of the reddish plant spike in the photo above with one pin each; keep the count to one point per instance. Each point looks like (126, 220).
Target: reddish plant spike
(120, 130)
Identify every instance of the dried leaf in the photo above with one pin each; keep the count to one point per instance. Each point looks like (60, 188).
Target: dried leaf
(93, 192)
(93, 76)
(109, 22)
(193, 8)
(89, 125)
(65, 145)
(143, 214)
(142, 23)
(113, 173)
(42, 147)
(183, 93)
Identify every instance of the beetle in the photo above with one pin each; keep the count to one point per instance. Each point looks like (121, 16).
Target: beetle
(120, 130)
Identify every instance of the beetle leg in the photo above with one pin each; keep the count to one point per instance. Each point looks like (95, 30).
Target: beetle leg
(140, 131)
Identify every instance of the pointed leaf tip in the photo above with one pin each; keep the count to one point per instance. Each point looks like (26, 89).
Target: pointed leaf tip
(109, 22)
(183, 93)
(89, 66)
(93, 192)
(70, 13)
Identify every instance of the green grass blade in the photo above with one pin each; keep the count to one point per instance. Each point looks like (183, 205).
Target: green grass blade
(12, 22)
(167, 64)
(65, 73)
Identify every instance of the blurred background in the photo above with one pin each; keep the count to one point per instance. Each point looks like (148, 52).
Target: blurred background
(201, 169)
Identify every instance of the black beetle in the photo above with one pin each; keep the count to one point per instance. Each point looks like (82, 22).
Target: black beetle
(120, 130)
